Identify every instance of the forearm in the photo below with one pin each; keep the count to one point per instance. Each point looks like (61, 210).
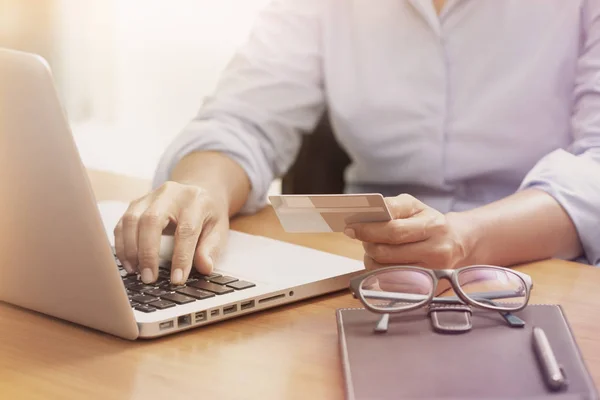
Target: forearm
(526, 226)
(216, 173)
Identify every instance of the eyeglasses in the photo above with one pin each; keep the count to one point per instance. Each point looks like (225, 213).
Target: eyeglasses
(403, 288)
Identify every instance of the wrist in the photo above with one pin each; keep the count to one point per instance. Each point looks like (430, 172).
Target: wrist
(467, 235)
(221, 177)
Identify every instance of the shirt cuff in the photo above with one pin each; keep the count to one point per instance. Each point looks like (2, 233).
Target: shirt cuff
(574, 183)
(214, 136)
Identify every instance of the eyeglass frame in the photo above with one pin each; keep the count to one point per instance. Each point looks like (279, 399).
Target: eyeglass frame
(437, 274)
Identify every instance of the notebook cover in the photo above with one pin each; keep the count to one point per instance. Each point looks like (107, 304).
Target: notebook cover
(492, 361)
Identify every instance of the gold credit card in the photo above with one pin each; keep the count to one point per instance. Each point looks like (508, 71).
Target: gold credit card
(328, 212)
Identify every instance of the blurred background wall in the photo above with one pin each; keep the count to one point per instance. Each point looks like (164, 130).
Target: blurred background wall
(131, 73)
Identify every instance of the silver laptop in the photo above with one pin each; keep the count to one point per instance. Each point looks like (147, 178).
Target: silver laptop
(56, 258)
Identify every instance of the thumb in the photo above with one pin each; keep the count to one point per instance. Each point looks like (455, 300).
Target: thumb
(404, 206)
(210, 245)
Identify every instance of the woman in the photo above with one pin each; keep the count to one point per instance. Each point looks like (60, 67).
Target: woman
(483, 115)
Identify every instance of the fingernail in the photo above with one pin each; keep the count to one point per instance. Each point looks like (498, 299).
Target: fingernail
(127, 266)
(177, 276)
(350, 233)
(147, 275)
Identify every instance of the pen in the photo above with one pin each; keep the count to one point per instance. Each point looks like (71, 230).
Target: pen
(553, 374)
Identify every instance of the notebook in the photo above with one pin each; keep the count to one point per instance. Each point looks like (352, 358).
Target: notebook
(491, 361)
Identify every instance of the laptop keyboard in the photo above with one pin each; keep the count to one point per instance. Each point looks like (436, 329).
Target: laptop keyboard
(161, 294)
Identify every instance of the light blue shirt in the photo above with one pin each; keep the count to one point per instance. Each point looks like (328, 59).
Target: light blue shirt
(491, 97)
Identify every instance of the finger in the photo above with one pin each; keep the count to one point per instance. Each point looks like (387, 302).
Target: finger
(187, 233)
(426, 254)
(210, 245)
(370, 263)
(399, 231)
(406, 281)
(443, 287)
(404, 206)
(129, 231)
(151, 225)
(120, 247)
(399, 280)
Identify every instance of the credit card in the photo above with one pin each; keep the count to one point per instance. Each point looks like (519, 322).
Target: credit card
(327, 212)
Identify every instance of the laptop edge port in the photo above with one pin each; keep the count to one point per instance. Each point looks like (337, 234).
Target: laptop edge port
(166, 325)
(246, 305)
(230, 309)
(184, 320)
(200, 316)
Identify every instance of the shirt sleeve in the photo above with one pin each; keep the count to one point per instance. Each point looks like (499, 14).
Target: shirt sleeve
(270, 94)
(572, 176)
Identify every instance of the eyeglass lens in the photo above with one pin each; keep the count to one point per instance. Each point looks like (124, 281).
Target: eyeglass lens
(398, 289)
(394, 290)
(493, 287)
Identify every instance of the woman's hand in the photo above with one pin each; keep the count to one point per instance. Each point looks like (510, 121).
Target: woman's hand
(417, 235)
(198, 219)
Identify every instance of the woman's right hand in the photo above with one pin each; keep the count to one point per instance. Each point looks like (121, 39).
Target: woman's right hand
(198, 219)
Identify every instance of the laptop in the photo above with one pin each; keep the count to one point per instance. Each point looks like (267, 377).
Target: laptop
(56, 257)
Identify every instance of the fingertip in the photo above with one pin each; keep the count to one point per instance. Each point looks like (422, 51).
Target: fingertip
(127, 267)
(177, 276)
(350, 232)
(147, 275)
(210, 265)
(204, 263)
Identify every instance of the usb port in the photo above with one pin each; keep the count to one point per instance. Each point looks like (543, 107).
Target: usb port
(246, 305)
(214, 313)
(230, 309)
(166, 325)
(200, 316)
(184, 320)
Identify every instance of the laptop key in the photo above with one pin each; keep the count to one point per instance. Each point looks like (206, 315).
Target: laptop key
(160, 281)
(170, 287)
(178, 298)
(143, 299)
(211, 287)
(133, 284)
(142, 288)
(145, 308)
(196, 293)
(130, 279)
(164, 273)
(197, 274)
(162, 304)
(222, 280)
(156, 292)
(240, 285)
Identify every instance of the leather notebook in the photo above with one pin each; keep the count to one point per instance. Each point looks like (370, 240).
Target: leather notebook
(413, 360)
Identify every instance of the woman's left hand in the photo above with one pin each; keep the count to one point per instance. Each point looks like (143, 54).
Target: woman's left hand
(417, 235)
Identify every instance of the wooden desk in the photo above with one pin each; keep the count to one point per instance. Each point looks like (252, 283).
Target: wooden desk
(285, 353)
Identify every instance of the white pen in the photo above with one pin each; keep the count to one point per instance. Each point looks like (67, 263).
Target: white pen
(551, 370)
